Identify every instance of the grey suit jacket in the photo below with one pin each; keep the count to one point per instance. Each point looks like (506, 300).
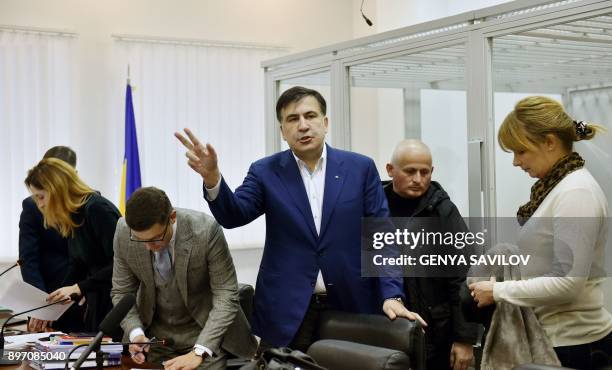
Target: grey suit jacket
(205, 276)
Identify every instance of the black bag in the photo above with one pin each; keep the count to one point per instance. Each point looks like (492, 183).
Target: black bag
(283, 359)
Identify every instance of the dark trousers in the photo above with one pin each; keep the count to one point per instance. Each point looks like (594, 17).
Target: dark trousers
(440, 358)
(308, 331)
(72, 320)
(586, 356)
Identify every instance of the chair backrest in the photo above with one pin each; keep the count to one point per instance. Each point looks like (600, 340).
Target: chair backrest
(246, 294)
(341, 355)
(376, 330)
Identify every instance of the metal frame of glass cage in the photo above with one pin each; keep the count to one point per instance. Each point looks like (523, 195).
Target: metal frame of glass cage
(475, 30)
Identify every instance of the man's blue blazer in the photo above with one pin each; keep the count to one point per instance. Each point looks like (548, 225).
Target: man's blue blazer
(293, 253)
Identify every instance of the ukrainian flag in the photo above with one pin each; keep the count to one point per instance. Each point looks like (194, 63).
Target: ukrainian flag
(130, 178)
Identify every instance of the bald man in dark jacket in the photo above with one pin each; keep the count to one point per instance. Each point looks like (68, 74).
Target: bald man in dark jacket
(411, 193)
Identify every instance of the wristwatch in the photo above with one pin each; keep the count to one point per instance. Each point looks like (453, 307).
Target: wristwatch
(198, 351)
(399, 299)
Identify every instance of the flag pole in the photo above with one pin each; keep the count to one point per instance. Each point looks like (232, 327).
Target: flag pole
(130, 174)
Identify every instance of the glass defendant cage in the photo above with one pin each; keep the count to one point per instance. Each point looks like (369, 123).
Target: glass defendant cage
(451, 82)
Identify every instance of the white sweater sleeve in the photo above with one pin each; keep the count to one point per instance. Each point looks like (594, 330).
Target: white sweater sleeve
(540, 291)
(577, 220)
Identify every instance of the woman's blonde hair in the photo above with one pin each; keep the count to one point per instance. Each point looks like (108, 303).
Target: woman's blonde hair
(66, 191)
(536, 116)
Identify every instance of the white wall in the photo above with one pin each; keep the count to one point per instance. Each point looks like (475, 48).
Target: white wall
(296, 24)
(394, 14)
(278, 22)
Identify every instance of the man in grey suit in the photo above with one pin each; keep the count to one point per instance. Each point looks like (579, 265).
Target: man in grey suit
(178, 262)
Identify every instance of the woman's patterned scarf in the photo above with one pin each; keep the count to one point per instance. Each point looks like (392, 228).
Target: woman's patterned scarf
(543, 186)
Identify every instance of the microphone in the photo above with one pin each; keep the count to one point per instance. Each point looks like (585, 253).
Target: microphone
(73, 296)
(108, 325)
(367, 20)
(161, 341)
(18, 263)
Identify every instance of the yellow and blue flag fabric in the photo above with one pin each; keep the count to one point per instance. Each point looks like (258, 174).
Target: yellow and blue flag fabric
(130, 179)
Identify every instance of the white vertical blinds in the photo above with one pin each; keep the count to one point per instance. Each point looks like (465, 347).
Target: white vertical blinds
(217, 91)
(38, 109)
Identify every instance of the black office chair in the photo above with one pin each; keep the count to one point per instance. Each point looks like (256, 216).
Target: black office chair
(368, 342)
(357, 341)
(245, 294)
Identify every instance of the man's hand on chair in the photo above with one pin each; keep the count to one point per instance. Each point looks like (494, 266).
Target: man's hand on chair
(394, 308)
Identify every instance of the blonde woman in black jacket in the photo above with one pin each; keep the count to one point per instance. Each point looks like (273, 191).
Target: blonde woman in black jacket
(88, 220)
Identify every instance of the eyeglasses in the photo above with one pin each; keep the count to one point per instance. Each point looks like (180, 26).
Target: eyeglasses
(151, 240)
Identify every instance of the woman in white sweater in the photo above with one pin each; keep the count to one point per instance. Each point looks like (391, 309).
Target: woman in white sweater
(564, 223)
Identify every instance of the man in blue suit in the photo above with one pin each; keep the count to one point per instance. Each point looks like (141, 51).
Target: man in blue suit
(313, 197)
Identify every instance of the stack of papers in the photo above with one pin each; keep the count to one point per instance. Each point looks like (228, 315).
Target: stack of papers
(54, 351)
(57, 344)
(47, 353)
(16, 342)
(48, 365)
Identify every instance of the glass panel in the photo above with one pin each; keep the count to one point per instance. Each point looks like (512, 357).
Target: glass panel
(320, 82)
(414, 96)
(571, 63)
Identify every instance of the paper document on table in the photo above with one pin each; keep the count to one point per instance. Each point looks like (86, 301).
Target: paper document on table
(21, 296)
(16, 341)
